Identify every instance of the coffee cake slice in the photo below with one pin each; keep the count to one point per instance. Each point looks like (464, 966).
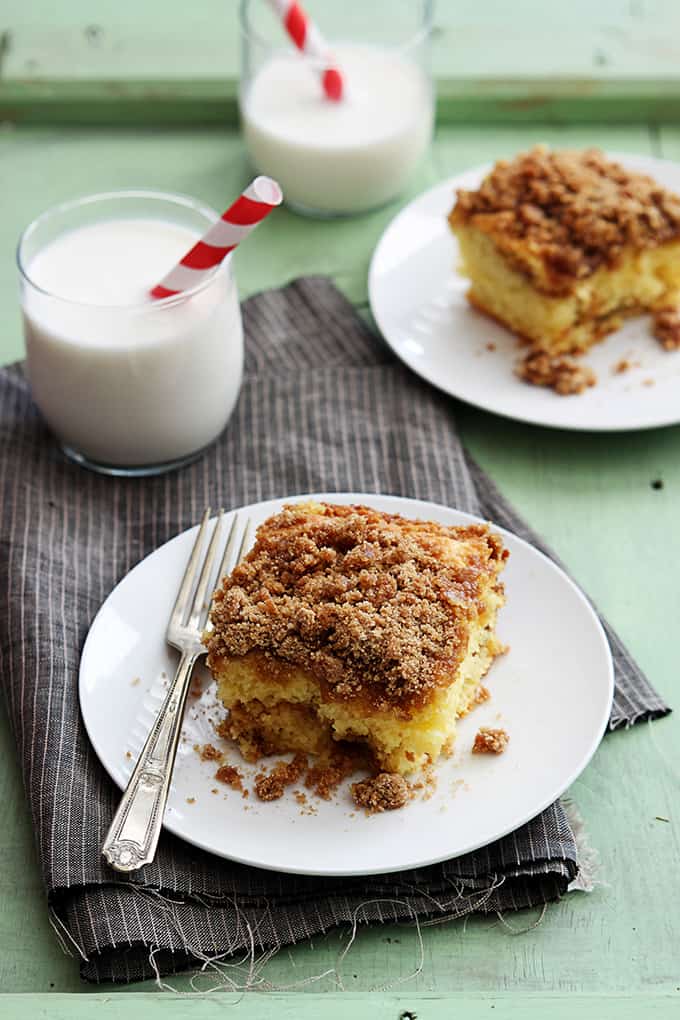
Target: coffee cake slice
(347, 624)
(560, 246)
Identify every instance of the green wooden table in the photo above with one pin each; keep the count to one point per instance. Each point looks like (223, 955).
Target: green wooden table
(101, 97)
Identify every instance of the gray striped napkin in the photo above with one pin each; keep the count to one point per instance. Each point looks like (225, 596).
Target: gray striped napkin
(324, 407)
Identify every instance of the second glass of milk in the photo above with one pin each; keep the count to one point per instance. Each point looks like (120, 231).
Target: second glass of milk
(337, 158)
(129, 385)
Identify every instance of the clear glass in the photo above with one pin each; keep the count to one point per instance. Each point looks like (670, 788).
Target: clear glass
(338, 158)
(132, 389)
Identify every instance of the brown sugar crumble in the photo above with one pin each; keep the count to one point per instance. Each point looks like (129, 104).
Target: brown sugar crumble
(347, 593)
(324, 778)
(621, 366)
(490, 741)
(559, 216)
(561, 373)
(385, 792)
(272, 785)
(230, 776)
(427, 783)
(208, 752)
(667, 328)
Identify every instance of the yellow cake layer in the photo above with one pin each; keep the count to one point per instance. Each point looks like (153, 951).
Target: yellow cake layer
(641, 281)
(288, 713)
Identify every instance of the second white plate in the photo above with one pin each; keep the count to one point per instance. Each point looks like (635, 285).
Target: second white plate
(418, 301)
(552, 692)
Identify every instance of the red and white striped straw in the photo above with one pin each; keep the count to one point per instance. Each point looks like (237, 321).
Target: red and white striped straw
(250, 208)
(309, 40)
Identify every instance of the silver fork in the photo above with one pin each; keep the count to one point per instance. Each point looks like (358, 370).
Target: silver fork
(133, 835)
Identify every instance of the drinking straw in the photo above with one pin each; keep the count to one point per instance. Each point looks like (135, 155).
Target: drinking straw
(310, 41)
(250, 208)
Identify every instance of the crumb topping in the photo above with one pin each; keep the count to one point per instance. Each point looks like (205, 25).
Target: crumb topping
(375, 606)
(490, 741)
(230, 776)
(561, 372)
(559, 216)
(387, 791)
(208, 752)
(272, 785)
(324, 778)
(667, 328)
(426, 782)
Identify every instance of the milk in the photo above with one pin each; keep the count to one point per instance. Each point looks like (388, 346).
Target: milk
(339, 157)
(123, 380)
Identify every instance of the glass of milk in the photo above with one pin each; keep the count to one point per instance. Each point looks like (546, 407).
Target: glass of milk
(128, 384)
(338, 158)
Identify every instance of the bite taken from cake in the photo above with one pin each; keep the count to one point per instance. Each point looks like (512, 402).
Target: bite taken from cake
(347, 626)
(560, 247)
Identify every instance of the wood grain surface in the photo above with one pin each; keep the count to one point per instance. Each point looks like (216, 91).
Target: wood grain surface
(115, 62)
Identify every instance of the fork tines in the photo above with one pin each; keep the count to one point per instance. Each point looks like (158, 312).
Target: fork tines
(190, 613)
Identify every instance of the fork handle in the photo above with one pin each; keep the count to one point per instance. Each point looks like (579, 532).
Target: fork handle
(133, 835)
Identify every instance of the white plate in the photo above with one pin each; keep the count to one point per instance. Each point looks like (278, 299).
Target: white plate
(418, 301)
(552, 692)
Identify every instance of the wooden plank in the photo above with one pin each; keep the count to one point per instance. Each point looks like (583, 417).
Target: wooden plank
(617, 941)
(472, 40)
(294, 1007)
(214, 101)
(617, 60)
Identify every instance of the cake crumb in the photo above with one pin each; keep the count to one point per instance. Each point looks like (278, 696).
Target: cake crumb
(305, 807)
(490, 741)
(195, 690)
(230, 775)
(191, 800)
(621, 366)
(135, 680)
(648, 382)
(271, 786)
(128, 754)
(387, 791)
(491, 347)
(214, 790)
(561, 373)
(483, 694)
(430, 783)
(325, 778)
(208, 752)
(667, 328)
